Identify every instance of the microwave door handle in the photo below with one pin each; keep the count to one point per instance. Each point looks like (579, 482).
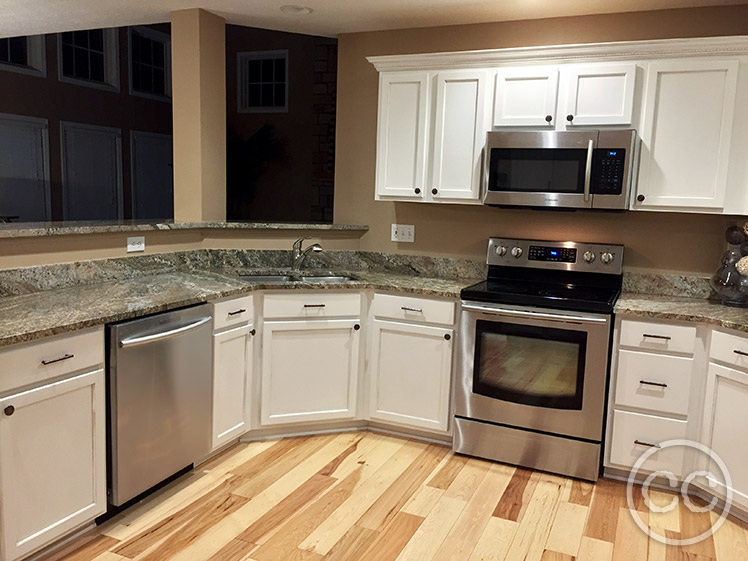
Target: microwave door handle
(588, 169)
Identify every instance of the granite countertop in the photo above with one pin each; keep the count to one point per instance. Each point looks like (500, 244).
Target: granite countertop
(32, 316)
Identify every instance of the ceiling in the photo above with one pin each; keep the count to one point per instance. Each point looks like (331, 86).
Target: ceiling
(330, 17)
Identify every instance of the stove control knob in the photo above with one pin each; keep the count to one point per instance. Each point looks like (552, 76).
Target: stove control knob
(501, 251)
(606, 257)
(589, 257)
(517, 252)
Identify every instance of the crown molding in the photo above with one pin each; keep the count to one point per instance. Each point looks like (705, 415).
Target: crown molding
(589, 52)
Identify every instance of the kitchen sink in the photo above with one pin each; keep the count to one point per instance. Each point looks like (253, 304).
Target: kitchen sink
(289, 278)
(265, 278)
(326, 278)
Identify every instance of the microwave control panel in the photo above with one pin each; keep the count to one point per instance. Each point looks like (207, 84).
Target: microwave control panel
(608, 170)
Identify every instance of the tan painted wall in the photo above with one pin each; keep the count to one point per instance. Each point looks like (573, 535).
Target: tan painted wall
(653, 240)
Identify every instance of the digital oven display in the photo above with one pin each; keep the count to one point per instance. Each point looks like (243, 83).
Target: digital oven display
(553, 254)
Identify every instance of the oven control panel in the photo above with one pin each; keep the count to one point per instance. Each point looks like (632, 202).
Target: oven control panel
(568, 256)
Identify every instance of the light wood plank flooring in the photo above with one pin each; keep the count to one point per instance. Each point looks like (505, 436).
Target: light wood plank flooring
(363, 496)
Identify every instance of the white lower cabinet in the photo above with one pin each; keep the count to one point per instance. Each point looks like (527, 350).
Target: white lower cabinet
(309, 370)
(52, 461)
(410, 375)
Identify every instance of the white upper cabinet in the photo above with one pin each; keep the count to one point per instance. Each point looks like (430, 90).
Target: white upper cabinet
(461, 122)
(686, 134)
(401, 143)
(598, 94)
(526, 97)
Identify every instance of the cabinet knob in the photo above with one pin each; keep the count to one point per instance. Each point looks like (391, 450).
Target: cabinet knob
(570, 118)
(9, 410)
(640, 198)
(357, 327)
(548, 118)
(434, 191)
(418, 191)
(447, 336)
(252, 332)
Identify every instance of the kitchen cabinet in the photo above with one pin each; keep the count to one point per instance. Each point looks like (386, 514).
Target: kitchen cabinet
(232, 369)
(526, 97)
(52, 448)
(686, 132)
(598, 94)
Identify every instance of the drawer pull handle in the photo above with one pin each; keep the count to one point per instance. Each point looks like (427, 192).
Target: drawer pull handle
(237, 312)
(648, 383)
(649, 444)
(63, 357)
(314, 305)
(663, 337)
(409, 309)
(741, 353)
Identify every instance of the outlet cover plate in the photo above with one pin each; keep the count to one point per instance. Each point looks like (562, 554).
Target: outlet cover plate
(403, 233)
(135, 244)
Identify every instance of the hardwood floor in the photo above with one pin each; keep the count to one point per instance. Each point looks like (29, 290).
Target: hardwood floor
(363, 496)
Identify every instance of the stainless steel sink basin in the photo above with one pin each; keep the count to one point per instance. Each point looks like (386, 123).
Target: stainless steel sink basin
(265, 278)
(327, 278)
(289, 278)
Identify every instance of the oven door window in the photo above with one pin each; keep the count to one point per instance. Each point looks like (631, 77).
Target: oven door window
(537, 170)
(531, 365)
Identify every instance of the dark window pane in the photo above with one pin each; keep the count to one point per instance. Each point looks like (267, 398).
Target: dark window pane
(5, 50)
(280, 95)
(18, 51)
(136, 82)
(159, 55)
(146, 76)
(254, 67)
(267, 70)
(267, 95)
(80, 38)
(280, 69)
(96, 40)
(146, 56)
(67, 38)
(159, 82)
(136, 46)
(254, 97)
(81, 64)
(68, 68)
(97, 67)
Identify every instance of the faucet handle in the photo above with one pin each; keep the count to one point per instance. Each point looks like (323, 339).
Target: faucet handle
(297, 243)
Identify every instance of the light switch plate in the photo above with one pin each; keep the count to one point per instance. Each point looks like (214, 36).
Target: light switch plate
(403, 233)
(135, 244)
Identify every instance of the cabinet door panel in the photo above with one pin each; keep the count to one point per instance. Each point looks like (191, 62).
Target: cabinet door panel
(52, 462)
(309, 371)
(526, 97)
(459, 134)
(401, 137)
(410, 375)
(232, 363)
(600, 94)
(686, 134)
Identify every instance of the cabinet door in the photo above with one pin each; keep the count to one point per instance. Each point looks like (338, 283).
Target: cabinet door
(686, 134)
(411, 368)
(724, 420)
(599, 94)
(526, 97)
(52, 462)
(401, 135)
(459, 134)
(309, 370)
(232, 375)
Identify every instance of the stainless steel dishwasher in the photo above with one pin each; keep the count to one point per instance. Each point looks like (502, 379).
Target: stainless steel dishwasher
(159, 398)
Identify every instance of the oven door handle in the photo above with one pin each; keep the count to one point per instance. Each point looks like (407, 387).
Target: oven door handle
(535, 315)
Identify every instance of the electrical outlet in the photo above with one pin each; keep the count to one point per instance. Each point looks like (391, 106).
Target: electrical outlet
(135, 244)
(403, 233)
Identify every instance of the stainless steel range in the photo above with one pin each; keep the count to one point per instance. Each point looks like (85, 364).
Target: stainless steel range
(535, 355)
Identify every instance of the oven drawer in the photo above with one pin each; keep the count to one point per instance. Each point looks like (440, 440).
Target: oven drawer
(633, 433)
(658, 336)
(660, 383)
(422, 310)
(312, 305)
(730, 349)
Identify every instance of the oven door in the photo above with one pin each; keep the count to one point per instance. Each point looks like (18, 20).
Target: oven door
(531, 368)
(540, 169)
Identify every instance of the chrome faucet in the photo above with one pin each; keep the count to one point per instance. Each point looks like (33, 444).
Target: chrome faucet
(300, 256)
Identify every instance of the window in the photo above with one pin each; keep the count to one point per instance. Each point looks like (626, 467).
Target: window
(14, 50)
(150, 64)
(263, 82)
(89, 57)
(23, 54)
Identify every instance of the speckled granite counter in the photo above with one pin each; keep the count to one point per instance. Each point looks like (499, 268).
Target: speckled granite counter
(28, 317)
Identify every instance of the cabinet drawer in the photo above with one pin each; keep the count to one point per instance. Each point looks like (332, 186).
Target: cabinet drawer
(632, 434)
(34, 362)
(730, 349)
(658, 336)
(660, 383)
(232, 312)
(312, 305)
(413, 309)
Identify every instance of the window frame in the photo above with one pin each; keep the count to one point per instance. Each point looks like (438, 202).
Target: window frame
(36, 49)
(241, 58)
(153, 35)
(111, 63)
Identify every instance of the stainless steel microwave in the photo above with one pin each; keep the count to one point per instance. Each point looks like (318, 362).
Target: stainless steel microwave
(564, 169)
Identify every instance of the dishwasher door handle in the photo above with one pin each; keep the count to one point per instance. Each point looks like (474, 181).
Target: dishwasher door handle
(135, 341)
